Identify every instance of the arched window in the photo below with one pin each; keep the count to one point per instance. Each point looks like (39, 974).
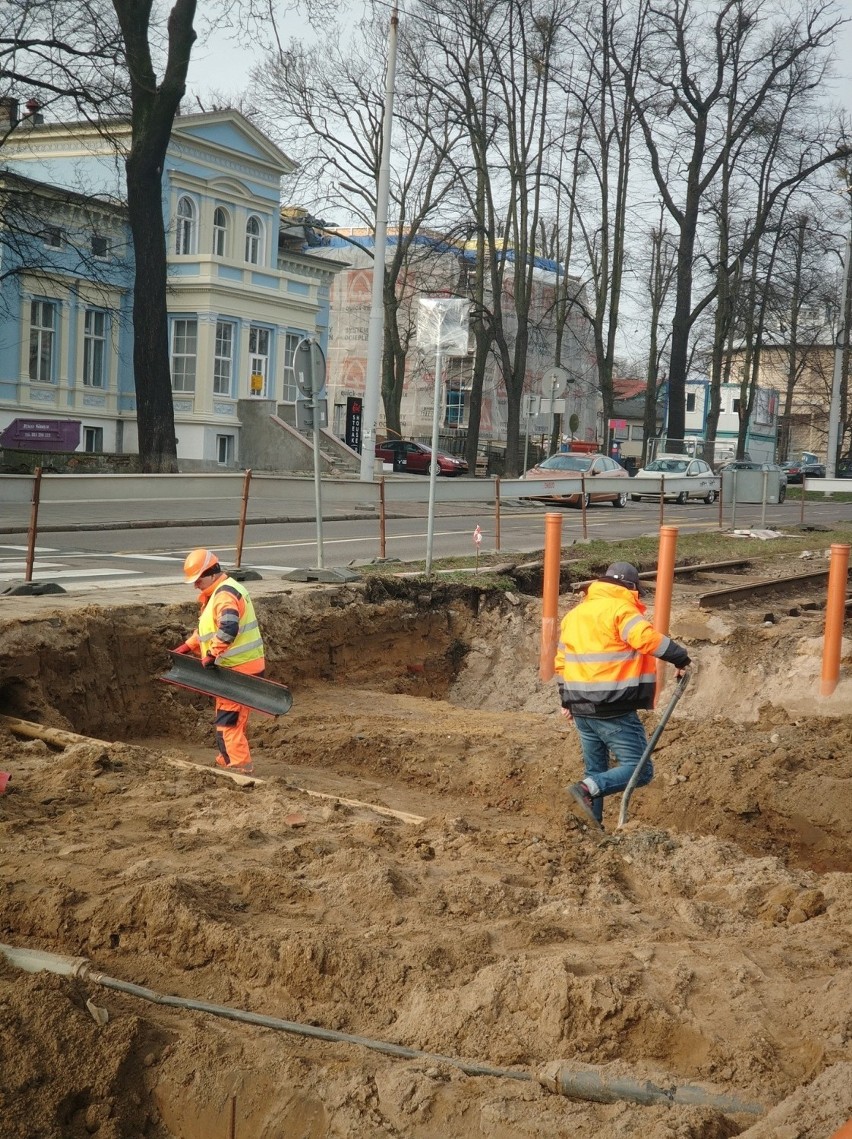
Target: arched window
(220, 232)
(185, 228)
(254, 232)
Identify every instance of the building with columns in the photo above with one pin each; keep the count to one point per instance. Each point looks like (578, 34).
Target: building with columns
(241, 293)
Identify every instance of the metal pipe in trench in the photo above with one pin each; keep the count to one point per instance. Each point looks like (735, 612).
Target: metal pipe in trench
(561, 1077)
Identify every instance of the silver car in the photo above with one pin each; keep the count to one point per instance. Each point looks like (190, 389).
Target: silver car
(703, 483)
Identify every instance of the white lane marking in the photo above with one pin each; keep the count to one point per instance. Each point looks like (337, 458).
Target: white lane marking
(38, 549)
(41, 572)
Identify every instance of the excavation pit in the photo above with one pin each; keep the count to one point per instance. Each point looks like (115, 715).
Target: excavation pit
(705, 943)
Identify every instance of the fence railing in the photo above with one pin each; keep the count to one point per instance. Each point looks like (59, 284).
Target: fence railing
(57, 502)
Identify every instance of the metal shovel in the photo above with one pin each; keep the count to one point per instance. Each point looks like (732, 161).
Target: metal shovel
(652, 743)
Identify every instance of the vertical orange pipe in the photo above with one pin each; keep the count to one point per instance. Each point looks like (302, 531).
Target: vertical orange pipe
(665, 583)
(497, 513)
(835, 613)
(550, 594)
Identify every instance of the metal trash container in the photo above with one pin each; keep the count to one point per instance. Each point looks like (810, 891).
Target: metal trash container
(749, 486)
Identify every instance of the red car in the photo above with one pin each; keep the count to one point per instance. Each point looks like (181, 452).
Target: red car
(417, 457)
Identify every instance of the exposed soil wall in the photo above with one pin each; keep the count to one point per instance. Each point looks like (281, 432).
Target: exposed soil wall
(706, 943)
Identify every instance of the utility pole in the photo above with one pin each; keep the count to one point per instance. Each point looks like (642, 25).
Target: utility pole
(841, 342)
(376, 334)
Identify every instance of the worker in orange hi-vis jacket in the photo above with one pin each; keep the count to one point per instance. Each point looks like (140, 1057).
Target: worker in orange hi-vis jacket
(227, 636)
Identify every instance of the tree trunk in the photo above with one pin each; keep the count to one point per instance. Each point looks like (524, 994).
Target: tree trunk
(154, 407)
(153, 108)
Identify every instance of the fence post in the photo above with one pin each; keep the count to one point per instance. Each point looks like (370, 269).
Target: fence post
(382, 533)
(243, 511)
(550, 594)
(497, 513)
(582, 506)
(33, 528)
(835, 613)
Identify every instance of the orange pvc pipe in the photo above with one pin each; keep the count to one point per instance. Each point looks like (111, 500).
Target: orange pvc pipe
(665, 585)
(835, 614)
(550, 594)
(845, 1131)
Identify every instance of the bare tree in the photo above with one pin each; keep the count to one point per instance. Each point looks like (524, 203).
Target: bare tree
(328, 109)
(702, 87)
(153, 105)
(493, 62)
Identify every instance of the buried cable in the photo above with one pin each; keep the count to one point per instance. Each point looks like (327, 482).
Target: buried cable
(564, 1079)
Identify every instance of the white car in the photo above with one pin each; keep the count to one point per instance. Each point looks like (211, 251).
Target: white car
(703, 483)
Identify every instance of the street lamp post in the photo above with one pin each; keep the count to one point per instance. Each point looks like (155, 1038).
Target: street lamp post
(376, 334)
(841, 342)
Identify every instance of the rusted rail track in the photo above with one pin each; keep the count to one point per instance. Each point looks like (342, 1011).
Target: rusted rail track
(681, 571)
(757, 589)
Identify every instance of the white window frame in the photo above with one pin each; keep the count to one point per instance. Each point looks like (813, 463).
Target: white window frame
(223, 358)
(290, 391)
(221, 230)
(254, 240)
(93, 440)
(185, 217)
(42, 340)
(183, 354)
(94, 348)
(258, 339)
(225, 450)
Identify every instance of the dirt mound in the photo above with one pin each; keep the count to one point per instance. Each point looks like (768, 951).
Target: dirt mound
(705, 944)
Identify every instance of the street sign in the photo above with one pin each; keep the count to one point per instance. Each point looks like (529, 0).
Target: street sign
(309, 367)
(556, 378)
(305, 413)
(354, 414)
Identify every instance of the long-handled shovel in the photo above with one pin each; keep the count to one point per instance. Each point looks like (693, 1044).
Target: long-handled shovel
(652, 743)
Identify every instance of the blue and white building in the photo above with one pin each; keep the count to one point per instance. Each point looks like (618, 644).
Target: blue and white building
(241, 293)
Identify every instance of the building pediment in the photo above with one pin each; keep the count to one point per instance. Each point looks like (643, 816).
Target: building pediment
(232, 132)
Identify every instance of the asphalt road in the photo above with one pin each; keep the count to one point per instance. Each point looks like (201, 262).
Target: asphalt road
(97, 559)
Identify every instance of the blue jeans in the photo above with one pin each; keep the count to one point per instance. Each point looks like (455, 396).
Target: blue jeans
(622, 736)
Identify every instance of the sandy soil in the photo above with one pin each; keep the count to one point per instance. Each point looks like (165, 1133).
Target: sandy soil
(706, 944)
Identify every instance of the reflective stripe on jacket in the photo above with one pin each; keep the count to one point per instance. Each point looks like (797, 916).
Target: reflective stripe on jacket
(228, 628)
(605, 661)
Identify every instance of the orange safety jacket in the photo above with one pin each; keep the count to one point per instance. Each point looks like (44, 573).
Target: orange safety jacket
(605, 661)
(228, 628)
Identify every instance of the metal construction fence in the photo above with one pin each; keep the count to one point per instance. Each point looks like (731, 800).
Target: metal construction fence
(43, 503)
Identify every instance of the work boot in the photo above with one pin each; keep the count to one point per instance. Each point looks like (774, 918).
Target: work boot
(584, 803)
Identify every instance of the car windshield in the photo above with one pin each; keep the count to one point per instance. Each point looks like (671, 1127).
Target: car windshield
(667, 466)
(566, 463)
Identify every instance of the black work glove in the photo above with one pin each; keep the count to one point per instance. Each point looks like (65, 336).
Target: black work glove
(209, 661)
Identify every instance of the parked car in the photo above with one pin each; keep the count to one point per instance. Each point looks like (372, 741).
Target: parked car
(407, 455)
(749, 465)
(797, 471)
(705, 485)
(568, 465)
